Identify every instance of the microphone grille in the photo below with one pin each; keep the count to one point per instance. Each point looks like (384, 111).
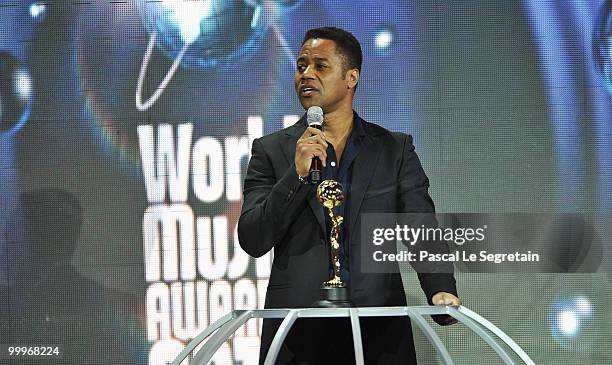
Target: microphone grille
(314, 116)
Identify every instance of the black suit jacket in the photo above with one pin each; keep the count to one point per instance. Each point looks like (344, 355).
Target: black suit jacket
(281, 213)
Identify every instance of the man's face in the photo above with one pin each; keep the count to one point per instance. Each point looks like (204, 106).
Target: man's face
(320, 76)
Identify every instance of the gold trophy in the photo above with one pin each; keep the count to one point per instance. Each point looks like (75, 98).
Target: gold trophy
(335, 293)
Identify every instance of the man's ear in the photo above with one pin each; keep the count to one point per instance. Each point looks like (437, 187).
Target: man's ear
(352, 77)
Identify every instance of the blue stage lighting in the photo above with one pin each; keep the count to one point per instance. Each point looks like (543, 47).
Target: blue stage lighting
(602, 44)
(15, 92)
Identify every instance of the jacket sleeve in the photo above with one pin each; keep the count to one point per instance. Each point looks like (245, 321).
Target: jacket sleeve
(270, 206)
(414, 198)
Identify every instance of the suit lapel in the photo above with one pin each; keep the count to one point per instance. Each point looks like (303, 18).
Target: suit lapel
(363, 168)
(288, 142)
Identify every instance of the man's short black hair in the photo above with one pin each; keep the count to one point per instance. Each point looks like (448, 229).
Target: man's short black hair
(347, 45)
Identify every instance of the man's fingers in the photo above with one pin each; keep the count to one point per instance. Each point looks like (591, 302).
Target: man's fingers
(309, 132)
(316, 139)
(448, 321)
(320, 153)
(313, 131)
(311, 144)
(446, 299)
(453, 300)
(444, 319)
(313, 134)
(316, 150)
(313, 150)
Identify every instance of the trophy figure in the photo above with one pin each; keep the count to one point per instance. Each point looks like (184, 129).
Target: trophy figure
(335, 293)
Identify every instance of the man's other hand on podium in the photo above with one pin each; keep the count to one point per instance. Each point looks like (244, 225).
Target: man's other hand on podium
(444, 298)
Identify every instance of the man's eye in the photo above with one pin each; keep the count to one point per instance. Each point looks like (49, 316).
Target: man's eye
(321, 65)
(301, 67)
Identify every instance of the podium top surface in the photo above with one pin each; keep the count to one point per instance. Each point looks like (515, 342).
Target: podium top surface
(345, 312)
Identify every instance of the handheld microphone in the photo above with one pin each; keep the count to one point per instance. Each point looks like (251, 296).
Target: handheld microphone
(314, 117)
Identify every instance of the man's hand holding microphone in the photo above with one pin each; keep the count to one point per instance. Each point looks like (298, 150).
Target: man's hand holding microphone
(311, 148)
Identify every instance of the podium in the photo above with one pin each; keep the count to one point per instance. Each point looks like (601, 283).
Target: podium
(224, 327)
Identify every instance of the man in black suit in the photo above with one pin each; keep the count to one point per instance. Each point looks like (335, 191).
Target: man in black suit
(380, 172)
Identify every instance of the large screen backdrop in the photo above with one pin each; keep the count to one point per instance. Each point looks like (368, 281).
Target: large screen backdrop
(126, 127)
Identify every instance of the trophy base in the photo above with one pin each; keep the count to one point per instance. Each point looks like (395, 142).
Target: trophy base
(334, 298)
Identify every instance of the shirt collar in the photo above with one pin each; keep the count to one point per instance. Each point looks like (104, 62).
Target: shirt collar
(357, 124)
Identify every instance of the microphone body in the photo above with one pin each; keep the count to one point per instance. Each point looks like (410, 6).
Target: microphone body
(314, 117)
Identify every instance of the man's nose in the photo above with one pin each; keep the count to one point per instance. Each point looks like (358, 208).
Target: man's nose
(308, 72)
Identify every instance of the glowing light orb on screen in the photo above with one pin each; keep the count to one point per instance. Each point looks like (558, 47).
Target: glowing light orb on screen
(216, 32)
(384, 39)
(203, 34)
(38, 11)
(569, 317)
(602, 44)
(15, 92)
(199, 38)
(567, 322)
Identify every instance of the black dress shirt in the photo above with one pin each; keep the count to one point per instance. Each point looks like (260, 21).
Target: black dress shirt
(342, 172)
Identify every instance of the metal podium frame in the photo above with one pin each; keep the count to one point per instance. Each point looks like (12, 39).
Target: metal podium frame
(225, 326)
